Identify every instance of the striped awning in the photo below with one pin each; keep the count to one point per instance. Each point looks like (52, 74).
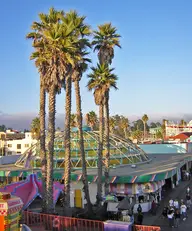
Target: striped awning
(131, 189)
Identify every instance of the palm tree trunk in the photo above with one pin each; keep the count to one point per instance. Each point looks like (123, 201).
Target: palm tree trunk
(82, 151)
(100, 156)
(67, 143)
(51, 137)
(42, 143)
(107, 156)
(125, 133)
(144, 130)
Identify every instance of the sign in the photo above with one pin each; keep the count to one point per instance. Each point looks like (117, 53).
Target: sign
(2, 206)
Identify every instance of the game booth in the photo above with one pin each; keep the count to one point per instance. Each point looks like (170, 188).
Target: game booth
(10, 207)
(140, 193)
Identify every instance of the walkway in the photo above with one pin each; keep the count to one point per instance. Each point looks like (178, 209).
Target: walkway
(179, 192)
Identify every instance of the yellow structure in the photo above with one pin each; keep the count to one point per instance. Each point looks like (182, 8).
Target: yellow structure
(10, 208)
(78, 198)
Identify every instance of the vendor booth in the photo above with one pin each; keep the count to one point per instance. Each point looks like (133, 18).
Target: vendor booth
(10, 208)
(143, 194)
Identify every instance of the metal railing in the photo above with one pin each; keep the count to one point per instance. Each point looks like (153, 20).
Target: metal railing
(39, 221)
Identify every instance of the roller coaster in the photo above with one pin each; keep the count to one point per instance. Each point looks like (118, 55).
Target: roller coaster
(122, 151)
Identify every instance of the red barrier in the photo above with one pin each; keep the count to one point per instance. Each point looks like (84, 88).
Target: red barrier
(46, 221)
(146, 228)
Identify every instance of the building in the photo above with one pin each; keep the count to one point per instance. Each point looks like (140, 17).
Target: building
(173, 129)
(183, 137)
(13, 142)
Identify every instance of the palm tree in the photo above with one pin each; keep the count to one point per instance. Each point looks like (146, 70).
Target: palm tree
(144, 119)
(104, 41)
(82, 32)
(163, 127)
(73, 120)
(124, 125)
(91, 119)
(76, 77)
(41, 64)
(137, 134)
(182, 123)
(35, 128)
(58, 50)
(112, 124)
(101, 80)
(79, 30)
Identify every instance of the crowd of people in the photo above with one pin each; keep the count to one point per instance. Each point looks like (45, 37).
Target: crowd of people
(177, 210)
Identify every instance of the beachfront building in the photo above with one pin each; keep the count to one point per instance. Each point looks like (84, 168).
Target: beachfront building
(14, 143)
(173, 129)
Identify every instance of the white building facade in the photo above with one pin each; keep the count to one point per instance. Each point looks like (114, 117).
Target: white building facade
(173, 129)
(19, 146)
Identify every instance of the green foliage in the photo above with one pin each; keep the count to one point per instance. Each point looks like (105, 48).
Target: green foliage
(73, 120)
(3, 128)
(137, 134)
(91, 119)
(159, 134)
(104, 41)
(35, 128)
(101, 80)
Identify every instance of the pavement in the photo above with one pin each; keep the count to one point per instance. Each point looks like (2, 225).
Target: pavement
(179, 192)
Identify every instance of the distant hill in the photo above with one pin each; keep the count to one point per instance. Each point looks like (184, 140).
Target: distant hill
(21, 121)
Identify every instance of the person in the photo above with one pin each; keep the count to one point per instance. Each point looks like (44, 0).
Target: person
(188, 199)
(140, 218)
(139, 209)
(170, 216)
(171, 202)
(177, 218)
(153, 208)
(188, 190)
(158, 198)
(176, 204)
(183, 210)
(187, 175)
(141, 199)
(164, 213)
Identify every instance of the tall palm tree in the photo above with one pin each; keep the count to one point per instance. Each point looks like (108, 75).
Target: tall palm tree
(163, 127)
(112, 124)
(58, 50)
(79, 31)
(124, 125)
(104, 41)
(41, 64)
(144, 119)
(76, 77)
(82, 32)
(183, 123)
(35, 128)
(101, 80)
(91, 119)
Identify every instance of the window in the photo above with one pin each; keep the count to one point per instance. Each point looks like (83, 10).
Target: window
(9, 153)
(9, 145)
(26, 145)
(18, 152)
(18, 146)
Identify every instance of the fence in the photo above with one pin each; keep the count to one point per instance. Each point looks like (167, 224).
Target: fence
(146, 228)
(40, 222)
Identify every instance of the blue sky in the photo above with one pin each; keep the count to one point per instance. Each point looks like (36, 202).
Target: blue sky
(154, 65)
